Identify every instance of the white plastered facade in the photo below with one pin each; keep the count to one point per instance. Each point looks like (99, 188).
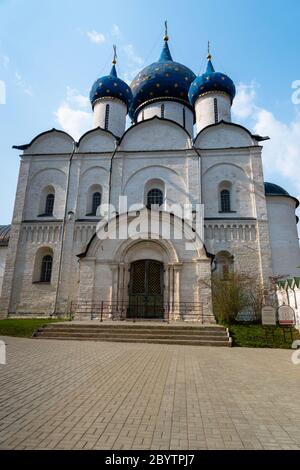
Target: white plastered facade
(154, 152)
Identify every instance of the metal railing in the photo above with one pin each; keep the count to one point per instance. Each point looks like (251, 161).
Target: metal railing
(167, 311)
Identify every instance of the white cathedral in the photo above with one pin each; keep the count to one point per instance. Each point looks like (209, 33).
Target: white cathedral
(181, 147)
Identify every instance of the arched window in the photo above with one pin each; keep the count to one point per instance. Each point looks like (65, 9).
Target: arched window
(49, 206)
(225, 200)
(96, 201)
(46, 268)
(155, 197)
(224, 264)
(162, 111)
(216, 110)
(106, 116)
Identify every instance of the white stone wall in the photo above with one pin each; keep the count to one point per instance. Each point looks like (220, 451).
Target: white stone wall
(172, 110)
(284, 236)
(154, 149)
(231, 158)
(205, 109)
(3, 253)
(116, 116)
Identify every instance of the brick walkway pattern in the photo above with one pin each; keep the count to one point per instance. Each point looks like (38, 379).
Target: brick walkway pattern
(93, 395)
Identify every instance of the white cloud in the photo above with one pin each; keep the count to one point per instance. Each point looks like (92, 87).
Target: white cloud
(23, 85)
(4, 60)
(244, 102)
(282, 153)
(115, 30)
(72, 114)
(95, 37)
(74, 97)
(134, 62)
(132, 56)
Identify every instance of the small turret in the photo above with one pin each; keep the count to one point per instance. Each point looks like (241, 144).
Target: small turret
(111, 98)
(211, 94)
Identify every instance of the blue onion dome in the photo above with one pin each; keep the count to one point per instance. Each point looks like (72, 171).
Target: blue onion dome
(272, 189)
(111, 86)
(162, 80)
(211, 81)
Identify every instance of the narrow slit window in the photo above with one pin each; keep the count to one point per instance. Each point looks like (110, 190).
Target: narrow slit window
(162, 111)
(106, 116)
(183, 117)
(216, 110)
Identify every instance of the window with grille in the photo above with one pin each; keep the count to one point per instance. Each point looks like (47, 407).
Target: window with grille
(49, 204)
(46, 269)
(155, 197)
(225, 200)
(162, 111)
(106, 117)
(96, 201)
(216, 110)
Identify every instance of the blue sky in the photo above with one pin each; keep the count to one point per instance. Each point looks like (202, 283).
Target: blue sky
(51, 53)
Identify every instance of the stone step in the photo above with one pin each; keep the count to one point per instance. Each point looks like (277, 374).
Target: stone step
(129, 331)
(163, 333)
(114, 336)
(187, 342)
(139, 326)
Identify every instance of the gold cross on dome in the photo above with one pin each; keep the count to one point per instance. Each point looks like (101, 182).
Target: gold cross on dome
(114, 61)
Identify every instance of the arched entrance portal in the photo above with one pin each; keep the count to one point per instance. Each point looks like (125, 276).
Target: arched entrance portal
(146, 289)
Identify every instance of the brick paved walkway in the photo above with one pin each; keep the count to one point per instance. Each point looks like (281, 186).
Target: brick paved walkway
(86, 395)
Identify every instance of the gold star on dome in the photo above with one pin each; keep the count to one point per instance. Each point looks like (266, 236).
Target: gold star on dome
(176, 85)
(157, 85)
(115, 84)
(223, 78)
(107, 91)
(186, 78)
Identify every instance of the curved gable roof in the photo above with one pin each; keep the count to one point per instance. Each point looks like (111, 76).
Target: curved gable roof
(162, 144)
(102, 134)
(50, 132)
(224, 124)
